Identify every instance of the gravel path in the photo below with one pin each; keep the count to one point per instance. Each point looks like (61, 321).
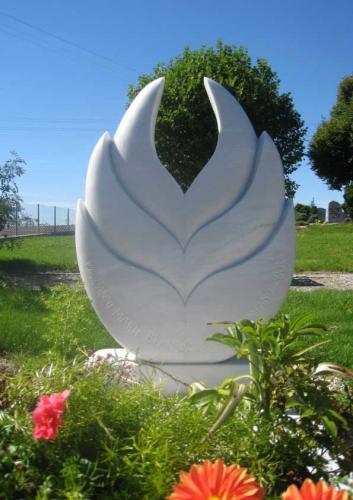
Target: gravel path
(37, 280)
(305, 282)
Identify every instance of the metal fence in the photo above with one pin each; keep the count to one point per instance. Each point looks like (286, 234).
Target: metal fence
(32, 219)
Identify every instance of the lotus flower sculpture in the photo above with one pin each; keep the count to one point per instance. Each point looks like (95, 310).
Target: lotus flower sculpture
(159, 264)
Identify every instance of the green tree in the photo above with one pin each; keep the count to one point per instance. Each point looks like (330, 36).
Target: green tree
(306, 213)
(186, 130)
(331, 148)
(10, 199)
(348, 200)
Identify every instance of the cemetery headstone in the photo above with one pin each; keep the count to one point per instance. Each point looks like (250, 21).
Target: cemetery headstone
(160, 265)
(336, 213)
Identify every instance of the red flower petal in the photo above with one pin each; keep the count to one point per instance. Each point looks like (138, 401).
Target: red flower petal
(47, 415)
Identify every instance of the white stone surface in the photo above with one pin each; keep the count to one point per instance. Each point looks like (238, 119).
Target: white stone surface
(112, 355)
(159, 265)
(170, 377)
(124, 364)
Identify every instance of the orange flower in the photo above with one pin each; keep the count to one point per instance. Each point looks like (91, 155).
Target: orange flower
(312, 491)
(216, 481)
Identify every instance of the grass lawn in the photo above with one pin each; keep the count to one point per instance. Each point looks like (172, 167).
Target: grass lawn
(40, 253)
(335, 310)
(325, 248)
(24, 314)
(28, 318)
(319, 248)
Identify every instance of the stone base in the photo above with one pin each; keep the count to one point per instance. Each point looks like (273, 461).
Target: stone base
(172, 377)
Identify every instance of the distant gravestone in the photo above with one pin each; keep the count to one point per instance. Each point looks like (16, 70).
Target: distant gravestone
(335, 213)
(160, 265)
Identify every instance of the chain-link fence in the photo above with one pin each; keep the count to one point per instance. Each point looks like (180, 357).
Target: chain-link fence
(31, 219)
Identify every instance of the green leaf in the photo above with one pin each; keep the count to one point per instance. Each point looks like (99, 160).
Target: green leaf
(305, 321)
(248, 330)
(207, 395)
(227, 340)
(238, 392)
(310, 348)
(330, 426)
(339, 417)
(312, 332)
(293, 403)
(308, 412)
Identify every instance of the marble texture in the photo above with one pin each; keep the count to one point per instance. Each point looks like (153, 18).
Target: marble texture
(159, 264)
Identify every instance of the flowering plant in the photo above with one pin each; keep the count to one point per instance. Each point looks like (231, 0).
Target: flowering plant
(47, 415)
(216, 481)
(312, 491)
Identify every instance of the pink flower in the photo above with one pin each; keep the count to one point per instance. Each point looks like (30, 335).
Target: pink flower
(47, 415)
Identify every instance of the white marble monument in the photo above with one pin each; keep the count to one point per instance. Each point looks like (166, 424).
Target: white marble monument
(159, 264)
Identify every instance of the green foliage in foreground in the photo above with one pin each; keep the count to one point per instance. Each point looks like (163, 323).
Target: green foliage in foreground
(131, 442)
(282, 380)
(269, 348)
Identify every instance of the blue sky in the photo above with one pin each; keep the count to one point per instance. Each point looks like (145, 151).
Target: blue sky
(56, 98)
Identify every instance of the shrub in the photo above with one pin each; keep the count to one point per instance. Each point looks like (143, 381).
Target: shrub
(306, 213)
(283, 381)
(130, 442)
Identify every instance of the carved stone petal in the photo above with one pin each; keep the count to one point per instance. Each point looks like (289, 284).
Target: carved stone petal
(147, 315)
